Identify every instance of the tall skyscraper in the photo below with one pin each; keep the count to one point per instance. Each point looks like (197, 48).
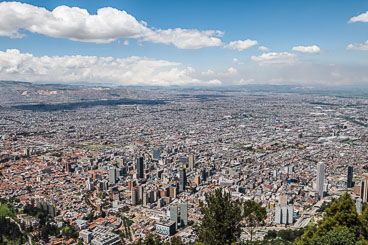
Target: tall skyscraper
(112, 176)
(284, 214)
(349, 182)
(290, 214)
(184, 214)
(278, 217)
(134, 196)
(140, 168)
(358, 205)
(182, 179)
(203, 175)
(364, 188)
(320, 179)
(191, 161)
(156, 153)
(174, 214)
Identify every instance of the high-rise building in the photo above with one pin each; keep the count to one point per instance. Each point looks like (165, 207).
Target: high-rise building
(284, 214)
(174, 214)
(203, 175)
(320, 179)
(182, 179)
(278, 216)
(364, 188)
(156, 154)
(51, 209)
(290, 214)
(184, 214)
(197, 180)
(112, 176)
(349, 182)
(134, 197)
(140, 192)
(191, 161)
(140, 168)
(358, 205)
(145, 198)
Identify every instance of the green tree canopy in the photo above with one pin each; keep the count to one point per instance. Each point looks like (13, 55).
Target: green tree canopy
(253, 215)
(340, 219)
(336, 237)
(221, 219)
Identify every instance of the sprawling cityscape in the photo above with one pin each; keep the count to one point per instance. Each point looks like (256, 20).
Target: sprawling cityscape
(212, 122)
(116, 173)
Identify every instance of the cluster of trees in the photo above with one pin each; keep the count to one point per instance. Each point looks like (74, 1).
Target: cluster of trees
(284, 236)
(341, 224)
(10, 233)
(223, 218)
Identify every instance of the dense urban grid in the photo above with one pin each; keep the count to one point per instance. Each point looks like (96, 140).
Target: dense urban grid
(141, 162)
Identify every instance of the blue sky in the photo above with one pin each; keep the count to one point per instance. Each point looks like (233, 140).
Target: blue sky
(211, 43)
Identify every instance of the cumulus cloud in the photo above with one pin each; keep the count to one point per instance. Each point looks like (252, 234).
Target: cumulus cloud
(241, 45)
(109, 24)
(263, 48)
(358, 46)
(230, 72)
(208, 73)
(134, 70)
(307, 49)
(185, 38)
(275, 58)
(360, 18)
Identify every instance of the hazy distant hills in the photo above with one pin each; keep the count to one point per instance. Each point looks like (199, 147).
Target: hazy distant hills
(23, 93)
(13, 93)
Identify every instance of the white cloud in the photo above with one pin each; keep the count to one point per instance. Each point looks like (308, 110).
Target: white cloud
(185, 38)
(235, 60)
(263, 48)
(307, 49)
(208, 73)
(241, 45)
(358, 46)
(214, 82)
(134, 70)
(231, 71)
(243, 81)
(108, 25)
(126, 42)
(360, 18)
(275, 58)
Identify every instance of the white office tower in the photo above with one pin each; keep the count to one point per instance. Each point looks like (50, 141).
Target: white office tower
(278, 214)
(290, 214)
(320, 179)
(284, 214)
(358, 205)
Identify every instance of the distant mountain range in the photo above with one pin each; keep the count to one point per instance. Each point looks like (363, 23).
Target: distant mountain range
(15, 93)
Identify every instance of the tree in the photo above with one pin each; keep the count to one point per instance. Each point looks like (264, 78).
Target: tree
(221, 219)
(253, 215)
(342, 213)
(336, 237)
(339, 219)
